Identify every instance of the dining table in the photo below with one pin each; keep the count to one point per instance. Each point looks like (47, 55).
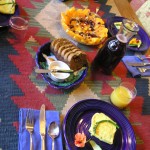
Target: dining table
(21, 87)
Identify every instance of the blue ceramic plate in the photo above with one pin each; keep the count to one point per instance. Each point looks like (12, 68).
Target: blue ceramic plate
(4, 18)
(142, 35)
(73, 80)
(78, 119)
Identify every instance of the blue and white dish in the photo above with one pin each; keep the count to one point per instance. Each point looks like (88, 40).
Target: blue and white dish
(58, 77)
(69, 83)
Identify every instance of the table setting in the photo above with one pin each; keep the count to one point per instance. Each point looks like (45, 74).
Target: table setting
(60, 68)
(24, 140)
(133, 63)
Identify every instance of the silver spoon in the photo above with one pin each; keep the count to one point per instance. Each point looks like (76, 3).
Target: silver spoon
(53, 131)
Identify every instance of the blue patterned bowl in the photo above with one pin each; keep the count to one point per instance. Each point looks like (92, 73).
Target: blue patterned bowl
(72, 81)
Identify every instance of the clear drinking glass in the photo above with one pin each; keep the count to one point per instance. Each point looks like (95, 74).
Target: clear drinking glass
(18, 26)
(123, 94)
(128, 29)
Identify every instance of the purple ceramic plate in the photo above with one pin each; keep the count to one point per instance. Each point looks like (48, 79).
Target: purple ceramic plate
(45, 49)
(4, 18)
(142, 35)
(78, 119)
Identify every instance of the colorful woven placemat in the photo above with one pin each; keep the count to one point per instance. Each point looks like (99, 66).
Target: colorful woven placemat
(22, 88)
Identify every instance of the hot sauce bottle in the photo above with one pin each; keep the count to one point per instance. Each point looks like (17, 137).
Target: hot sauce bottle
(114, 48)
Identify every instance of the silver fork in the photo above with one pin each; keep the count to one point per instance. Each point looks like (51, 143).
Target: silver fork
(30, 125)
(142, 70)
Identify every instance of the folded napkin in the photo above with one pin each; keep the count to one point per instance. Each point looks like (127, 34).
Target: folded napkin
(24, 140)
(133, 70)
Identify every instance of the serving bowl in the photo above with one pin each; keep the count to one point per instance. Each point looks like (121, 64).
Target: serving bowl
(41, 63)
(84, 26)
(55, 76)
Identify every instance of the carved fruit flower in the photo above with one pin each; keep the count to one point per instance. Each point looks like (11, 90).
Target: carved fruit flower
(80, 139)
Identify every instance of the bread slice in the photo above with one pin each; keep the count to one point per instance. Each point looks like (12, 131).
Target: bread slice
(66, 51)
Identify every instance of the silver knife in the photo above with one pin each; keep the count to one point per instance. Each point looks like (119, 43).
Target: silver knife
(53, 71)
(42, 123)
(138, 64)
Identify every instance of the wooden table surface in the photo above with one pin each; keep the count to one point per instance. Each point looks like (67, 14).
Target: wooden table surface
(126, 10)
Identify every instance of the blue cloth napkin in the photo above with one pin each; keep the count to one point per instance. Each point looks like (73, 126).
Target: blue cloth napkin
(24, 137)
(133, 70)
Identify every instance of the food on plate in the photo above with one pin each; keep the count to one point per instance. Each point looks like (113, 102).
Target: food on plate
(84, 26)
(103, 127)
(7, 6)
(67, 52)
(135, 42)
(80, 139)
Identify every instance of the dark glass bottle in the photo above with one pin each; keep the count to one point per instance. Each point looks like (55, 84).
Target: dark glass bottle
(114, 48)
(109, 55)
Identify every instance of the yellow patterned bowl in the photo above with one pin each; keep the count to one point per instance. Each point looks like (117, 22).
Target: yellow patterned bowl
(84, 26)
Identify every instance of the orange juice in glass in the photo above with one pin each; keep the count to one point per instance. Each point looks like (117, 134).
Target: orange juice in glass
(123, 95)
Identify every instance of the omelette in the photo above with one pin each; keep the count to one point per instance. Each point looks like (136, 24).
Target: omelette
(103, 128)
